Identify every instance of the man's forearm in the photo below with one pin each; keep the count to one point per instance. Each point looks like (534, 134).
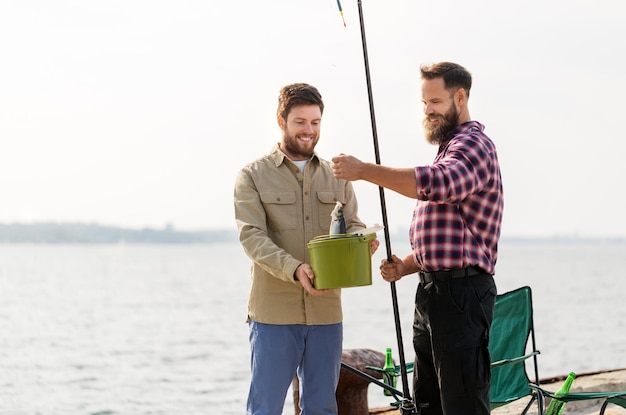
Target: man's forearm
(399, 180)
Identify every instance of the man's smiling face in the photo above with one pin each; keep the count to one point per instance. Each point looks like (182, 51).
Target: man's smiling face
(301, 131)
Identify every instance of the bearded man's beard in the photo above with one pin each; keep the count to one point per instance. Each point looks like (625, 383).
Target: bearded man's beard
(296, 148)
(437, 134)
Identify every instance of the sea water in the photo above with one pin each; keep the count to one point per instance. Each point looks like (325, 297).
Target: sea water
(160, 329)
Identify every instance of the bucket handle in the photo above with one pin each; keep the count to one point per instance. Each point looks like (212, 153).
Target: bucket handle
(361, 237)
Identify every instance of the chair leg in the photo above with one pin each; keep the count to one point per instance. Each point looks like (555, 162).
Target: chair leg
(540, 403)
(604, 405)
(617, 400)
(532, 399)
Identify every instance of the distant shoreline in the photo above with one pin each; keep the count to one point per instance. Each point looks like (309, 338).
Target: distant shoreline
(81, 233)
(93, 233)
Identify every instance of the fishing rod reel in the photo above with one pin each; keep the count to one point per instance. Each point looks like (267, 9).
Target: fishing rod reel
(408, 407)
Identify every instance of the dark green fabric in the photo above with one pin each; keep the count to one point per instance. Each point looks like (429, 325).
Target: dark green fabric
(510, 330)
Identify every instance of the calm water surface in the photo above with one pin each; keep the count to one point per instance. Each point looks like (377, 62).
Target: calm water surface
(160, 329)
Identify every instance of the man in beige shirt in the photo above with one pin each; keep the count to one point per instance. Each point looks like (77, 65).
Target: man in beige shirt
(282, 201)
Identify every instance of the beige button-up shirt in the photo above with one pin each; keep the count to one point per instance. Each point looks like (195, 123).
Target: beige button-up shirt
(278, 210)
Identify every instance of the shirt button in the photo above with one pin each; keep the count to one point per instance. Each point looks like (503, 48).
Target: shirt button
(306, 218)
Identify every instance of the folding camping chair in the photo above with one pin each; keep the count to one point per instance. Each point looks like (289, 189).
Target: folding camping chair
(511, 330)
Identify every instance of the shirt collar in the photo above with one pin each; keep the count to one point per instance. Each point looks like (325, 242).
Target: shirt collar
(465, 127)
(279, 157)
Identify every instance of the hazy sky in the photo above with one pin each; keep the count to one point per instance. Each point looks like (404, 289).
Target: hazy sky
(140, 113)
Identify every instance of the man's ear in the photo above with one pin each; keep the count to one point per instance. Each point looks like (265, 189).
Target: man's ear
(460, 97)
(281, 121)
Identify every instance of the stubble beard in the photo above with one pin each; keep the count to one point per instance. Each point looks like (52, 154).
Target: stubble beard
(437, 134)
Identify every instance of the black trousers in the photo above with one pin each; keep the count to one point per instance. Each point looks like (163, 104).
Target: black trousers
(451, 336)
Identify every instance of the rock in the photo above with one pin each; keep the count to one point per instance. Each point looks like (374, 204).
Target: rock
(352, 389)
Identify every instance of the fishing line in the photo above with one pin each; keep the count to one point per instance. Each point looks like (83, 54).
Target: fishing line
(408, 406)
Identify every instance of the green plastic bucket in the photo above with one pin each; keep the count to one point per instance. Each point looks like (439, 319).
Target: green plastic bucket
(341, 261)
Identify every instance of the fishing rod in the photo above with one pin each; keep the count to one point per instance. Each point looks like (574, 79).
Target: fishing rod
(407, 407)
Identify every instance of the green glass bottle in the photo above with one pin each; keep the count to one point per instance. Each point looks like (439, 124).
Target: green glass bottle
(390, 368)
(556, 406)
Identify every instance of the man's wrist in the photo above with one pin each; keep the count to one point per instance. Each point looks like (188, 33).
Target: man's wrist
(295, 278)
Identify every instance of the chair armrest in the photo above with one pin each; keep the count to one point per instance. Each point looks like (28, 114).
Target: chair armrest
(618, 398)
(514, 359)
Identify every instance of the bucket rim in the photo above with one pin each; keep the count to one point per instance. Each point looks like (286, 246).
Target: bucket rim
(343, 236)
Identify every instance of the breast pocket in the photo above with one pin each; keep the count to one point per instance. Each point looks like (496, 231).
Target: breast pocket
(328, 199)
(280, 210)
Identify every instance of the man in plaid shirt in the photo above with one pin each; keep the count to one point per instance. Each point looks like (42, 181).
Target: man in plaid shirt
(454, 239)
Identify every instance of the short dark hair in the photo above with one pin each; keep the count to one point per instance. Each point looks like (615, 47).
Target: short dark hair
(454, 75)
(298, 94)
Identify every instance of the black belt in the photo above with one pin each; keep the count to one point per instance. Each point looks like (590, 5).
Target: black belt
(427, 277)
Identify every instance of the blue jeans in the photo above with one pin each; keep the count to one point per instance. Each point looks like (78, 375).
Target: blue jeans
(281, 351)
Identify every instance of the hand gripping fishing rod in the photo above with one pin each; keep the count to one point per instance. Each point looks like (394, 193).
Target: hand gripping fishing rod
(408, 407)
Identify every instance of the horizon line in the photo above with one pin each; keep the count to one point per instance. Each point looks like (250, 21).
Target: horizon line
(171, 227)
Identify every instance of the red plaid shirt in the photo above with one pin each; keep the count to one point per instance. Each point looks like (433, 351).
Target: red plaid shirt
(457, 219)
